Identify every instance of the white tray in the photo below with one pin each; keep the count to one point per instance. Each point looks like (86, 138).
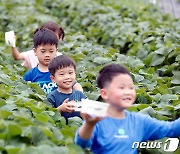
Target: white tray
(91, 107)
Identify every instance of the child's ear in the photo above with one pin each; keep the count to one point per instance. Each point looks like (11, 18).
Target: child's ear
(52, 78)
(35, 51)
(104, 94)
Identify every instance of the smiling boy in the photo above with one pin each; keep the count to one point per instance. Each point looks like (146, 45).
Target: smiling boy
(117, 132)
(63, 73)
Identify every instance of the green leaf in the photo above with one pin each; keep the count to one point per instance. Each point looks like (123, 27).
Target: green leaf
(156, 97)
(168, 97)
(176, 89)
(14, 130)
(2, 102)
(5, 79)
(57, 134)
(161, 117)
(73, 149)
(177, 107)
(102, 60)
(157, 60)
(112, 51)
(12, 149)
(149, 110)
(74, 121)
(133, 108)
(47, 132)
(3, 94)
(4, 114)
(37, 135)
(149, 39)
(9, 107)
(138, 78)
(178, 58)
(42, 117)
(142, 106)
(45, 149)
(163, 51)
(36, 87)
(176, 78)
(92, 95)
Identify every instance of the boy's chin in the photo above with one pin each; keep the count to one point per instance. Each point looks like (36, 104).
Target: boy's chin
(45, 64)
(68, 87)
(123, 106)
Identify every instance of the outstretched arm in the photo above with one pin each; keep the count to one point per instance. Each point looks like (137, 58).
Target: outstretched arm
(157, 129)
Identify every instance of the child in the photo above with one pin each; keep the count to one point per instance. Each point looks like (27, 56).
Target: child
(45, 48)
(28, 57)
(63, 73)
(117, 132)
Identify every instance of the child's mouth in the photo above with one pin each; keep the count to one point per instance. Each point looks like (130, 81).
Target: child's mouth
(67, 82)
(46, 60)
(126, 99)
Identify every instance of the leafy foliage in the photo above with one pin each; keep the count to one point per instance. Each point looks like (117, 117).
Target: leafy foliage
(98, 32)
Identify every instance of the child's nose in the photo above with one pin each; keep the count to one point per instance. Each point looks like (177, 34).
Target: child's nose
(47, 55)
(67, 76)
(127, 91)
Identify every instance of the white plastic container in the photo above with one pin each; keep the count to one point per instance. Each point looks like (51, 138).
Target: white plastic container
(10, 38)
(91, 107)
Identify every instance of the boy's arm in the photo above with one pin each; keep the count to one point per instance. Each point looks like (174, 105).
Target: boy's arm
(77, 86)
(16, 54)
(27, 76)
(50, 98)
(84, 135)
(64, 107)
(155, 129)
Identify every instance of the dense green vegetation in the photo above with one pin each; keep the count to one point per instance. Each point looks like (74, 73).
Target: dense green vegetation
(98, 32)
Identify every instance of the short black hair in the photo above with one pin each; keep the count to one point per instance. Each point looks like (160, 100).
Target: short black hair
(43, 36)
(108, 72)
(59, 62)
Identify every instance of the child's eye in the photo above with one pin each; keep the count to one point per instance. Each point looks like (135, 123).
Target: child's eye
(61, 74)
(51, 51)
(43, 51)
(121, 87)
(131, 87)
(70, 72)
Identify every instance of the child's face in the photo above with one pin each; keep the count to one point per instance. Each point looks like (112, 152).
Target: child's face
(45, 53)
(120, 92)
(65, 78)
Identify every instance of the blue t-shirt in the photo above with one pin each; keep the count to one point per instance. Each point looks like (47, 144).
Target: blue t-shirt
(42, 78)
(111, 136)
(56, 98)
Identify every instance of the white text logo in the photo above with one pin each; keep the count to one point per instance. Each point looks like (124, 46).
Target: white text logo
(170, 145)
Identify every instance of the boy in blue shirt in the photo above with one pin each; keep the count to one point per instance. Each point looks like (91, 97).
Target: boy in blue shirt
(117, 132)
(45, 48)
(63, 73)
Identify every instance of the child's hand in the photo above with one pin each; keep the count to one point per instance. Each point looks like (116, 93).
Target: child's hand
(66, 106)
(87, 128)
(91, 120)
